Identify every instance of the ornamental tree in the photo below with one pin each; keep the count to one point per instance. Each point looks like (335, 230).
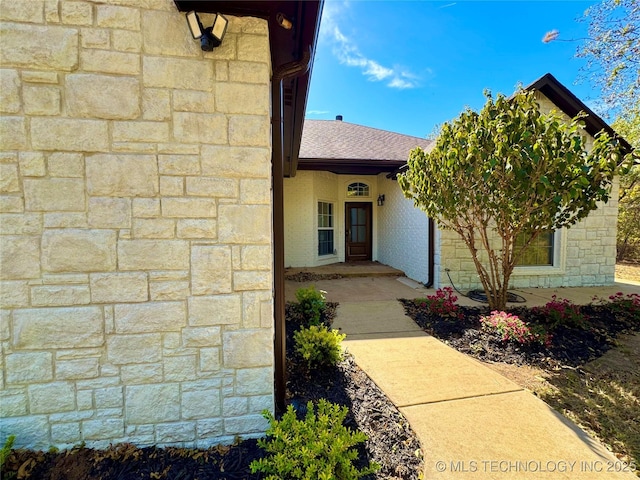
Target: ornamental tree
(506, 171)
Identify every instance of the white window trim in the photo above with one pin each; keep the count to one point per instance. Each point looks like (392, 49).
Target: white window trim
(355, 198)
(317, 229)
(559, 260)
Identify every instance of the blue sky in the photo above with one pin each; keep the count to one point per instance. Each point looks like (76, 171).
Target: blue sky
(406, 66)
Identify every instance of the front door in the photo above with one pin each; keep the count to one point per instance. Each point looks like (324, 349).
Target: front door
(358, 231)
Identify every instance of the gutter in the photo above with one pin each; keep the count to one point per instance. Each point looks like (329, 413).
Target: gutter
(286, 71)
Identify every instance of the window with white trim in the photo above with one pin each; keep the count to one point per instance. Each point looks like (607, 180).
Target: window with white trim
(358, 189)
(325, 228)
(539, 253)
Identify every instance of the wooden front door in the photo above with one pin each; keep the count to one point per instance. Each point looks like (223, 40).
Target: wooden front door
(358, 231)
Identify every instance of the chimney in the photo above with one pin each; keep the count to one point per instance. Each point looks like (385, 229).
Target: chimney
(339, 118)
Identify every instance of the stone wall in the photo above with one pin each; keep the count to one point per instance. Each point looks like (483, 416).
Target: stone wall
(135, 204)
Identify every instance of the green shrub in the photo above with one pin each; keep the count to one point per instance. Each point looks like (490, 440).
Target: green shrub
(311, 303)
(319, 447)
(318, 346)
(5, 451)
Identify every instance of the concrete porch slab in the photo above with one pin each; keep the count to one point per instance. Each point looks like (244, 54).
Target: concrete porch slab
(358, 289)
(511, 435)
(421, 369)
(578, 295)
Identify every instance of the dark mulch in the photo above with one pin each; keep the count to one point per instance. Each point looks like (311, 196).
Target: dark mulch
(311, 277)
(391, 442)
(570, 345)
(128, 462)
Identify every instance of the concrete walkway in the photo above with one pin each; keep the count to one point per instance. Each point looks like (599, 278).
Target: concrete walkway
(472, 422)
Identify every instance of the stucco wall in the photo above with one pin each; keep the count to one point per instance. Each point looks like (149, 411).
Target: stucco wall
(301, 196)
(299, 231)
(403, 230)
(585, 253)
(136, 226)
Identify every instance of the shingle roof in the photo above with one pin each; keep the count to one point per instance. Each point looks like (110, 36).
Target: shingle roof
(346, 148)
(336, 139)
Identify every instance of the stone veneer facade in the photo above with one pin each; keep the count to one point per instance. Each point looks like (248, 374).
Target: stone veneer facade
(136, 248)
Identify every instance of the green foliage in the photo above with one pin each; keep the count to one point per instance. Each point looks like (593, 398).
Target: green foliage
(629, 127)
(5, 452)
(505, 171)
(628, 236)
(318, 346)
(311, 303)
(319, 447)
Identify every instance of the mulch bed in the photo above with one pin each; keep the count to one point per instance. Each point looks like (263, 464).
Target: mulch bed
(311, 277)
(570, 346)
(391, 442)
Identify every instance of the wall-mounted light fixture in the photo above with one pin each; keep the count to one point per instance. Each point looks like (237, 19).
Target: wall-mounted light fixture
(210, 37)
(283, 21)
(380, 200)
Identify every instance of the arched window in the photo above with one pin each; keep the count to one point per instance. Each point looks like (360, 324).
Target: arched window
(358, 189)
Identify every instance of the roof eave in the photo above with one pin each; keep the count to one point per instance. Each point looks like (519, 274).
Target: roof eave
(350, 166)
(566, 101)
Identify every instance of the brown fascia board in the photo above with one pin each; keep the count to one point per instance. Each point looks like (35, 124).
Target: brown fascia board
(566, 101)
(351, 166)
(286, 46)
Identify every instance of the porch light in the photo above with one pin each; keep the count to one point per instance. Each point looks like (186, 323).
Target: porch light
(283, 21)
(210, 37)
(380, 200)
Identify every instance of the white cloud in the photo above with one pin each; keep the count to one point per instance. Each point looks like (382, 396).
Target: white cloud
(348, 53)
(317, 112)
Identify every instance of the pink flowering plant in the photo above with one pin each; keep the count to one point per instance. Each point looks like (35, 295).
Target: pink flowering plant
(561, 312)
(510, 328)
(626, 304)
(443, 303)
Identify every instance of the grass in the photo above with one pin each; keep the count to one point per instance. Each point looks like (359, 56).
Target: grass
(603, 397)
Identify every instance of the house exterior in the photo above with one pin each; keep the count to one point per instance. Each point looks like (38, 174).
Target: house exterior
(344, 168)
(141, 182)
(341, 173)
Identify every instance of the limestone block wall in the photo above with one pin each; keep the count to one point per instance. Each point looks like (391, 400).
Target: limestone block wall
(135, 202)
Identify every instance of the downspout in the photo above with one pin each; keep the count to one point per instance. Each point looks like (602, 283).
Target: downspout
(432, 254)
(286, 71)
